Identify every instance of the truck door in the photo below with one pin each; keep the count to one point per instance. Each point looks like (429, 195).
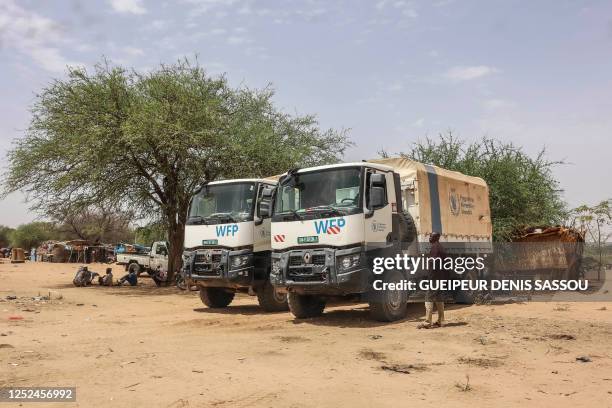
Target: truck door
(159, 257)
(261, 231)
(378, 224)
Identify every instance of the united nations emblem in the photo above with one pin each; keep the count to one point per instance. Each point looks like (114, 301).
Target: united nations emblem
(454, 202)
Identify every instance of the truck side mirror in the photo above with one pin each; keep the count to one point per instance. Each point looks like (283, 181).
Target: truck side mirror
(264, 211)
(267, 192)
(377, 179)
(377, 198)
(264, 204)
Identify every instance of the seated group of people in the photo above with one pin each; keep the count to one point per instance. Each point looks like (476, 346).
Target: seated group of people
(84, 277)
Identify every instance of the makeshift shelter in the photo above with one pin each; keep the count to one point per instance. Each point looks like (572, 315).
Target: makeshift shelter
(17, 255)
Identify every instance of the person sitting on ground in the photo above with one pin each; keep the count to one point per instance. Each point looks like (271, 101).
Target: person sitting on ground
(84, 277)
(130, 278)
(435, 298)
(106, 280)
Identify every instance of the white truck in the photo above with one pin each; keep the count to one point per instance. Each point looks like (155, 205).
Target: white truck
(152, 262)
(329, 222)
(227, 243)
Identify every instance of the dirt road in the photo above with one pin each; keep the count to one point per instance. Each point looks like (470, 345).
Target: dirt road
(150, 347)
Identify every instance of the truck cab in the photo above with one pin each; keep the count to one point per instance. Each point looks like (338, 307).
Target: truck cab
(329, 222)
(227, 243)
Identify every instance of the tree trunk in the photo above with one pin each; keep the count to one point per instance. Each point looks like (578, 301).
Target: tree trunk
(176, 236)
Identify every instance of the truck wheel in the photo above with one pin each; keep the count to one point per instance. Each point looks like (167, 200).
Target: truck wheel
(134, 267)
(303, 306)
(389, 305)
(270, 300)
(468, 296)
(216, 297)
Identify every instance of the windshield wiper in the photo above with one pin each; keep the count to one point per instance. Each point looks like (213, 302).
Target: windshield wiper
(293, 213)
(325, 209)
(223, 216)
(195, 220)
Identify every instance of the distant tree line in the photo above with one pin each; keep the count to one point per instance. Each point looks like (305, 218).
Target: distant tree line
(32, 234)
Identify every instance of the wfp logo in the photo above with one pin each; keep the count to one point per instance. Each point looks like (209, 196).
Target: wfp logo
(330, 226)
(226, 230)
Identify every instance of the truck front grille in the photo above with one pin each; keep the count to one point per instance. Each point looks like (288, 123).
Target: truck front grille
(207, 264)
(202, 258)
(297, 260)
(306, 274)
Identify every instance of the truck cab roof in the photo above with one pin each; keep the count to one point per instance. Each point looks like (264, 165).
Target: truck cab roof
(345, 165)
(270, 180)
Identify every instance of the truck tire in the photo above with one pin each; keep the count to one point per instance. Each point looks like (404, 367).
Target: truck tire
(216, 297)
(389, 305)
(270, 300)
(304, 306)
(407, 230)
(134, 267)
(469, 296)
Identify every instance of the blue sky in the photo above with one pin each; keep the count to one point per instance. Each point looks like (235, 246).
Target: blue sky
(536, 73)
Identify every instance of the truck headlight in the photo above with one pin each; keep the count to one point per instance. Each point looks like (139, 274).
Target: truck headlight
(239, 261)
(187, 259)
(347, 262)
(276, 268)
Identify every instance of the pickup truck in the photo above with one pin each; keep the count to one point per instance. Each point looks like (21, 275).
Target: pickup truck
(150, 262)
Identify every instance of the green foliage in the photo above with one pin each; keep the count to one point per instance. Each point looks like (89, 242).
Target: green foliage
(150, 233)
(94, 225)
(31, 235)
(5, 236)
(522, 189)
(595, 223)
(144, 142)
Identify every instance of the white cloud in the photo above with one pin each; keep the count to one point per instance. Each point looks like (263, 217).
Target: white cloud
(419, 122)
(395, 87)
(463, 73)
(405, 8)
(158, 24)
(33, 35)
(236, 40)
(495, 104)
(133, 51)
(128, 6)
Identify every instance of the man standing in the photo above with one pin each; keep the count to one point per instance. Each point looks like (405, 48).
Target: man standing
(435, 298)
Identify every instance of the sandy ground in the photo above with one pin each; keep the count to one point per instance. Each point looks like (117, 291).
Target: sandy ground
(150, 347)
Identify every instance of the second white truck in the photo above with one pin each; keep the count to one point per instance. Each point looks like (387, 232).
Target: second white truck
(330, 222)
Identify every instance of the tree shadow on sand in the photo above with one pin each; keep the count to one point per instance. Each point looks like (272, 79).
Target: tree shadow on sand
(359, 317)
(246, 310)
(147, 289)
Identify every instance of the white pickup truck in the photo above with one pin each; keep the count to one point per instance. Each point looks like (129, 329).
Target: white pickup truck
(152, 262)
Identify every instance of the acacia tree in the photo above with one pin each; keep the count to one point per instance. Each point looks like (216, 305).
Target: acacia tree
(522, 189)
(96, 224)
(594, 223)
(147, 141)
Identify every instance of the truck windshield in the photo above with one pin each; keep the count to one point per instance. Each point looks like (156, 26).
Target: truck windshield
(223, 203)
(330, 192)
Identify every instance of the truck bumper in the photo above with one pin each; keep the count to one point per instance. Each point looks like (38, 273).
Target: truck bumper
(316, 271)
(213, 268)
